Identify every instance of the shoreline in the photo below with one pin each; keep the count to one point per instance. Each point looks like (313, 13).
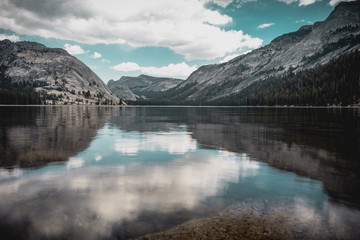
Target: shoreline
(195, 106)
(259, 220)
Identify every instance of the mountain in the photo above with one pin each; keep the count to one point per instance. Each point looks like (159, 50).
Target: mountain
(48, 75)
(292, 53)
(143, 86)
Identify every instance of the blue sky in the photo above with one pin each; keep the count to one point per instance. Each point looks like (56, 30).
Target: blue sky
(168, 38)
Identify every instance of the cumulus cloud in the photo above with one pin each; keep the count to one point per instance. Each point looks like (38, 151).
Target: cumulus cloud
(300, 2)
(74, 49)
(265, 25)
(96, 55)
(228, 58)
(185, 26)
(13, 37)
(180, 70)
(232, 56)
(334, 2)
(127, 67)
(222, 3)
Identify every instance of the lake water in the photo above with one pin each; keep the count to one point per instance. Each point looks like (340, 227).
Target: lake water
(86, 172)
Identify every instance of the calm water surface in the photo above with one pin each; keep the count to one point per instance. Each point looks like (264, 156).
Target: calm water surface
(122, 172)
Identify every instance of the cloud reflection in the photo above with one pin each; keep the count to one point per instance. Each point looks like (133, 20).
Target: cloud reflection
(12, 172)
(131, 143)
(75, 162)
(99, 197)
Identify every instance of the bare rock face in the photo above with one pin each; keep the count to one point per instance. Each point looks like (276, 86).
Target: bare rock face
(55, 74)
(143, 86)
(122, 91)
(306, 48)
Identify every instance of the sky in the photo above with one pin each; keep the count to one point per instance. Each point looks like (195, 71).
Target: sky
(164, 38)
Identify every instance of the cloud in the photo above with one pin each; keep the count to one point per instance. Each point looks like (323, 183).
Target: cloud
(98, 158)
(232, 56)
(13, 37)
(228, 58)
(306, 2)
(105, 60)
(303, 21)
(222, 3)
(74, 49)
(186, 27)
(334, 2)
(265, 25)
(300, 2)
(239, 3)
(96, 55)
(180, 70)
(126, 67)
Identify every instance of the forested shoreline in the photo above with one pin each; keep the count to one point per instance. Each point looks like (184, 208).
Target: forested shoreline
(336, 83)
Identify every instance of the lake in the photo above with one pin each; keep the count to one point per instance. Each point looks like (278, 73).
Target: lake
(87, 172)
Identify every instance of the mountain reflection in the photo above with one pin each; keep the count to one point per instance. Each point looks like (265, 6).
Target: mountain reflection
(322, 144)
(35, 136)
(98, 172)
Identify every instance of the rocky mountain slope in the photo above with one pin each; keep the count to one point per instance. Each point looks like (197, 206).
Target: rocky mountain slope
(310, 46)
(55, 75)
(143, 86)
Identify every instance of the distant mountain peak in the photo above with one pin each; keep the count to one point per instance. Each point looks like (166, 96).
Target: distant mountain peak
(142, 86)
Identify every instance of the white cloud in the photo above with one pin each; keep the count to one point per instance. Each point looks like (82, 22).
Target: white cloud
(300, 2)
(105, 60)
(185, 26)
(96, 55)
(98, 158)
(303, 21)
(74, 49)
(13, 37)
(126, 67)
(334, 2)
(306, 2)
(222, 3)
(179, 70)
(228, 58)
(239, 3)
(232, 56)
(265, 25)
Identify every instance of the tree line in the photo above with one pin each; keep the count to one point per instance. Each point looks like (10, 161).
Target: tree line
(18, 92)
(334, 83)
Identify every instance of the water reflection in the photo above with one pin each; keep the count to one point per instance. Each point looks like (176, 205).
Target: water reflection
(178, 142)
(65, 202)
(35, 136)
(108, 172)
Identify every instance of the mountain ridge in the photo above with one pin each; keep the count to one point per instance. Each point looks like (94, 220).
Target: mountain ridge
(52, 73)
(142, 86)
(306, 48)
